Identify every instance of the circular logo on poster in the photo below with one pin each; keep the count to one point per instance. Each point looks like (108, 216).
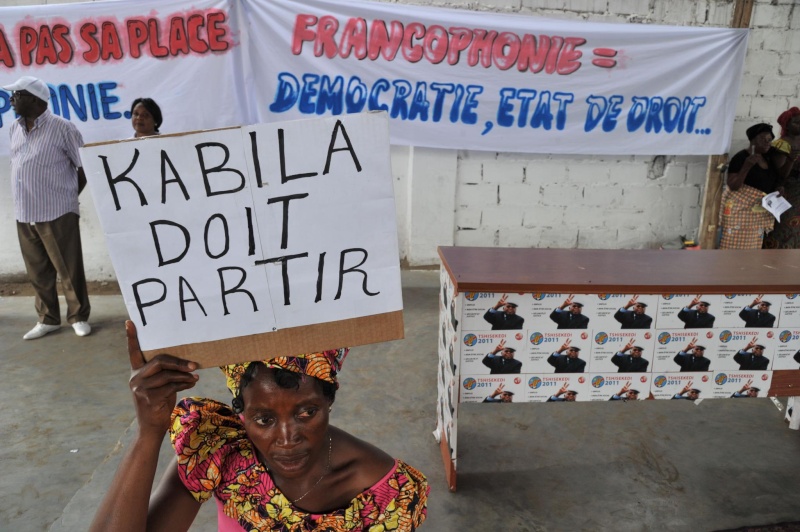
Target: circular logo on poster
(537, 338)
(791, 296)
(471, 296)
(470, 340)
(720, 379)
(518, 337)
(725, 336)
(667, 297)
(600, 338)
(660, 381)
(470, 383)
(785, 336)
(603, 297)
(538, 296)
(598, 381)
(534, 382)
(517, 380)
(730, 296)
(664, 338)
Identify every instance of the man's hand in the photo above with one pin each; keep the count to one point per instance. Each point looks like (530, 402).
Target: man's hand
(631, 302)
(498, 390)
(568, 301)
(499, 347)
(564, 346)
(756, 301)
(81, 180)
(751, 344)
(746, 386)
(695, 301)
(691, 345)
(687, 387)
(502, 302)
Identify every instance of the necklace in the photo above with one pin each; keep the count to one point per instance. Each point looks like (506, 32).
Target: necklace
(324, 474)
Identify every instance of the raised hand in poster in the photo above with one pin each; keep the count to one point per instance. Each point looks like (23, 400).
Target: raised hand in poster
(746, 391)
(698, 318)
(571, 318)
(499, 395)
(752, 357)
(504, 362)
(505, 319)
(563, 394)
(634, 318)
(630, 363)
(757, 314)
(568, 362)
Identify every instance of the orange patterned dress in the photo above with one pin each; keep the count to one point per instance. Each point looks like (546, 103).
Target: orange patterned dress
(215, 457)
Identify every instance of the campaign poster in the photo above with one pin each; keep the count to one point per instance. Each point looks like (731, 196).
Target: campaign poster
(493, 388)
(691, 386)
(619, 386)
(544, 349)
(748, 310)
(741, 384)
(671, 343)
(561, 388)
(477, 316)
(787, 349)
(687, 311)
(495, 353)
(622, 311)
(621, 351)
(745, 349)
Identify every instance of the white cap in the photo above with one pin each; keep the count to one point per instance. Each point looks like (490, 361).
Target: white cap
(33, 85)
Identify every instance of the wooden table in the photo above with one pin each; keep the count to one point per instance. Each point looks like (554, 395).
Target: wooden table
(471, 276)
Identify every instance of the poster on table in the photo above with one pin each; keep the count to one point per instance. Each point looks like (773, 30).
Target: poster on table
(250, 230)
(545, 347)
(674, 343)
(613, 351)
(736, 311)
(498, 352)
(741, 384)
(787, 349)
(622, 311)
(619, 386)
(561, 388)
(739, 349)
(691, 386)
(492, 388)
(676, 311)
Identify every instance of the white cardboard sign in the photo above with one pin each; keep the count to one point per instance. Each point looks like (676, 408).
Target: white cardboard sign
(241, 231)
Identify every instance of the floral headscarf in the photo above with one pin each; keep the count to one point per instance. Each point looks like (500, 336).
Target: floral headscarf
(324, 366)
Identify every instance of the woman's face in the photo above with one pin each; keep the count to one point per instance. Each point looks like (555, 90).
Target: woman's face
(793, 127)
(143, 123)
(761, 142)
(289, 428)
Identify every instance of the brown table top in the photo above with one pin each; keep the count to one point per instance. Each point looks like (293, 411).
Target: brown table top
(476, 269)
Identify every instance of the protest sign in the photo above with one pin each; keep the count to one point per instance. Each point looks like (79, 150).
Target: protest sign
(282, 233)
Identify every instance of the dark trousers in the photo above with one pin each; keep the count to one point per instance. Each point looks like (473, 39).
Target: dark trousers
(51, 250)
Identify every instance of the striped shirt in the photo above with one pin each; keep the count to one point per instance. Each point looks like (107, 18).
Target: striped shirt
(44, 162)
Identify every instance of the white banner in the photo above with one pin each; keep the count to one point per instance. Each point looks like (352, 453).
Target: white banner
(476, 80)
(480, 80)
(98, 57)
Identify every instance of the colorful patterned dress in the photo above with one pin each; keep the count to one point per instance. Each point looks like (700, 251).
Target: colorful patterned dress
(215, 457)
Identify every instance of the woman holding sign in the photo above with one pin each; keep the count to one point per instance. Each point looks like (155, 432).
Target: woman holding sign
(786, 234)
(272, 461)
(752, 174)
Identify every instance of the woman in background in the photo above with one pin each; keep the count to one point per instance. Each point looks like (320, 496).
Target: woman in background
(145, 117)
(752, 174)
(786, 234)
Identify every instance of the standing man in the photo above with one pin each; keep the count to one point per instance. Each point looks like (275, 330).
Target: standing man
(506, 319)
(503, 363)
(697, 319)
(572, 318)
(46, 178)
(569, 363)
(757, 314)
(692, 359)
(633, 363)
(752, 358)
(636, 318)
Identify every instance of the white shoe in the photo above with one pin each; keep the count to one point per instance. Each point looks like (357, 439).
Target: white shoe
(40, 330)
(82, 328)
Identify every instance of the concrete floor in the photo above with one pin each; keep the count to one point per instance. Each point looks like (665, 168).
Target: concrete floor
(654, 465)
